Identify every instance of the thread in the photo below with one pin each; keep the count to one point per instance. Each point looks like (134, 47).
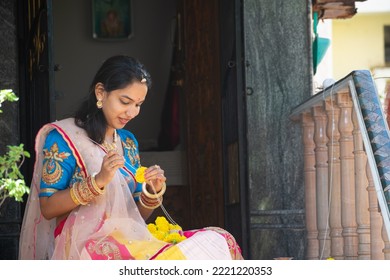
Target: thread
(330, 183)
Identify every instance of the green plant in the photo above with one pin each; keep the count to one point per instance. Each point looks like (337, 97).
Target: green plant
(12, 182)
(7, 95)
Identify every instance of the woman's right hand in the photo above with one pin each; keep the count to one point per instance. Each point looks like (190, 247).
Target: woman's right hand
(112, 161)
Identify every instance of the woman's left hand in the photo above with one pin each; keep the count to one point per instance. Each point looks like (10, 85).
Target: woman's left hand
(154, 176)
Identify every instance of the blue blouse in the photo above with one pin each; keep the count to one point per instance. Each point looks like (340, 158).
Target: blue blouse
(61, 171)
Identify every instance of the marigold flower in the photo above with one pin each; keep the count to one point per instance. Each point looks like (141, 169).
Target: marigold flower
(165, 231)
(152, 228)
(160, 234)
(175, 227)
(173, 238)
(140, 174)
(161, 220)
(163, 227)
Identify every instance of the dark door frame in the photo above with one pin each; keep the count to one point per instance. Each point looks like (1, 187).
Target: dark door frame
(234, 123)
(37, 105)
(36, 73)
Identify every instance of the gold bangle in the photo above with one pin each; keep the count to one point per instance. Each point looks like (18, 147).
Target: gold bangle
(150, 204)
(73, 196)
(95, 185)
(155, 195)
(91, 187)
(78, 194)
(83, 191)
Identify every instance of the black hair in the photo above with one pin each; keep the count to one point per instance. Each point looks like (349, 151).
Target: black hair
(117, 72)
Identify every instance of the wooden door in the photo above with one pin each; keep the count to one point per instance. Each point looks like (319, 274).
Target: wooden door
(215, 116)
(202, 94)
(200, 202)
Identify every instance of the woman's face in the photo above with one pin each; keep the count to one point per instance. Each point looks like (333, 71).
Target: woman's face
(121, 105)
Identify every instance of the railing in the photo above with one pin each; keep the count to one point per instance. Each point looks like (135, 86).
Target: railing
(346, 171)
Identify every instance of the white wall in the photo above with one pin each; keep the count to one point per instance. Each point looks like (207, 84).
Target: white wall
(358, 43)
(80, 56)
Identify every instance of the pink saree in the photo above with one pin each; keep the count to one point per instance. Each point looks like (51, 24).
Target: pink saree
(110, 227)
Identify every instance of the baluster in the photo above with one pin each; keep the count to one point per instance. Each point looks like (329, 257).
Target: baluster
(333, 112)
(312, 252)
(322, 191)
(376, 221)
(362, 213)
(386, 249)
(348, 210)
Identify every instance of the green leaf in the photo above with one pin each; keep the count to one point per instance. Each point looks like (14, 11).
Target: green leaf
(12, 182)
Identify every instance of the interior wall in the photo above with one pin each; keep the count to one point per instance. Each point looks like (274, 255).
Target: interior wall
(79, 56)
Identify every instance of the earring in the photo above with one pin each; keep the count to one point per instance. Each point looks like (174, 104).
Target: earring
(99, 104)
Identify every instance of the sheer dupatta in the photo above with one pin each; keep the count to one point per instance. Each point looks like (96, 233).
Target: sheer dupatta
(110, 226)
(90, 230)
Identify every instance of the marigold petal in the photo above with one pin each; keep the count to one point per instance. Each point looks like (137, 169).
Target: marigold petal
(160, 235)
(152, 228)
(161, 220)
(140, 174)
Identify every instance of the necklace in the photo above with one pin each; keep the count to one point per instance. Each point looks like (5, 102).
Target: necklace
(111, 146)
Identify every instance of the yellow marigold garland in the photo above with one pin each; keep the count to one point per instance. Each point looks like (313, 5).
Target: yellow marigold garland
(161, 228)
(165, 231)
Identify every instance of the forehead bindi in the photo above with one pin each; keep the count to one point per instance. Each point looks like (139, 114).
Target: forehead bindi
(131, 98)
(133, 92)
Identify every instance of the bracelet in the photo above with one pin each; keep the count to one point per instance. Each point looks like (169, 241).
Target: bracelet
(73, 196)
(85, 191)
(91, 187)
(155, 195)
(150, 203)
(95, 186)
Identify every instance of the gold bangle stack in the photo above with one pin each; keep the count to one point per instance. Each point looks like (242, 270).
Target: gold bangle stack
(73, 196)
(154, 195)
(95, 186)
(150, 203)
(149, 200)
(83, 192)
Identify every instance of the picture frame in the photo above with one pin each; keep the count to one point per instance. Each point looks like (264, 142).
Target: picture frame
(112, 19)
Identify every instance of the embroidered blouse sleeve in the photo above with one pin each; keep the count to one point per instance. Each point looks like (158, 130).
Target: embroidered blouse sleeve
(132, 158)
(58, 165)
(137, 192)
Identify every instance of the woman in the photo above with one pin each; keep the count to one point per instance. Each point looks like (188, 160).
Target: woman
(85, 202)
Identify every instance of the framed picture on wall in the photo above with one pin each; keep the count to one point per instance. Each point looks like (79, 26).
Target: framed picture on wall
(112, 19)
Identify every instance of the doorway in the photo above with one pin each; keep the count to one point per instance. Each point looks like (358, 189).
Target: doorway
(207, 166)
